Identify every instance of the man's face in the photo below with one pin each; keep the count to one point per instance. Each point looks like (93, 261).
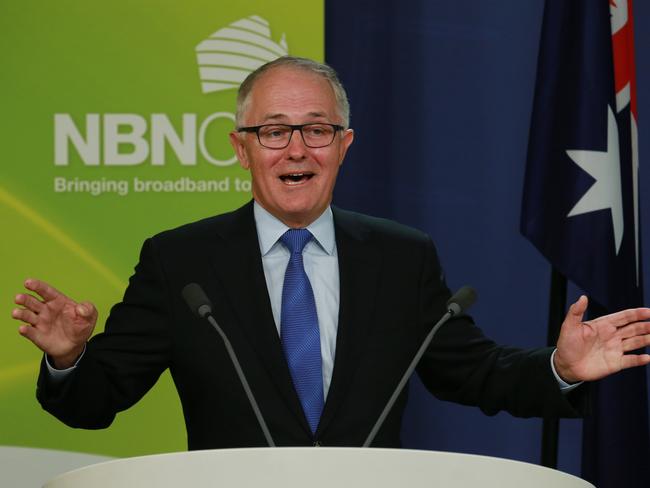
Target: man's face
(294, 184)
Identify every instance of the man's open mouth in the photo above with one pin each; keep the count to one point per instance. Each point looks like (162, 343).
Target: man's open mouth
(296, 178)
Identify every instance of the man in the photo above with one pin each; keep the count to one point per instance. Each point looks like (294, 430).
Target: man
(323, 332)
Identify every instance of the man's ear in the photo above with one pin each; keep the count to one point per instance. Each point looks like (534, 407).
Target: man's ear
(237, 143)
(346, 140)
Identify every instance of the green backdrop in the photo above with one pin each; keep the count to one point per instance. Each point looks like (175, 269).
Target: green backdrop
(135, 105)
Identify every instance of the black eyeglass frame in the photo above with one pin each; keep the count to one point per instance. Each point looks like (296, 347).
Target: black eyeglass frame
(256, 129)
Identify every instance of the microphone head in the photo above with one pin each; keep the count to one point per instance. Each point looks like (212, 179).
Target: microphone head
(197, 300)
(462, 300)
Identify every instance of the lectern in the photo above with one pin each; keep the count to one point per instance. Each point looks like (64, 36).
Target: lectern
(317, 467)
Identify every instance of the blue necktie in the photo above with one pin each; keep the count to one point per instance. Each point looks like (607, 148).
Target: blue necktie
(299, 329)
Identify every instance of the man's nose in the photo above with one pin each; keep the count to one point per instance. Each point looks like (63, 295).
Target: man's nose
(296, 147)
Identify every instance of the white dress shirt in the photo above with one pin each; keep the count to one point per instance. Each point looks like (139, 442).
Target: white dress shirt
(322, 267)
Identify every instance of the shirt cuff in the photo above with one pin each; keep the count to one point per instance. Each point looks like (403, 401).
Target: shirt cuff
(564, 386)
(58, 375)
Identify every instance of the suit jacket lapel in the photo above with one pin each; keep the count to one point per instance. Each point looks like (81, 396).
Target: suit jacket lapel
(242, 274)
(239, 268)
(359, 268)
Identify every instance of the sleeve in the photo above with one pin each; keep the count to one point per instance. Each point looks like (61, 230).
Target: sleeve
(464, 366)
(122, 363)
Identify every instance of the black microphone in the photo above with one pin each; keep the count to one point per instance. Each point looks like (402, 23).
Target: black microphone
(200, 305)
(197, 300)
(462, 300)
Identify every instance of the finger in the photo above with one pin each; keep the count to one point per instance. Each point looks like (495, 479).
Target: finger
(43, 289)
(29, 302)
(30, 333)
(625, 317)
(577, 310)
(635, 343)
(634, 329)
(25, 315)
(633, 360)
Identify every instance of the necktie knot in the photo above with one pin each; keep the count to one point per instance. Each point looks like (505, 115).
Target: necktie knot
(296, 239)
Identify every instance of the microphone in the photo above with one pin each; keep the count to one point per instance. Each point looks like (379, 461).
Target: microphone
(197, 300)
(460, 301)
(200, 305)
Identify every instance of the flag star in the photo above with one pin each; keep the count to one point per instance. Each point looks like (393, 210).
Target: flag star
(604, 167)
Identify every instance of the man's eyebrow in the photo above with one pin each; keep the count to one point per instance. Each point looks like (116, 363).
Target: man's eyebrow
(316, 114)
(274, 117)
(282, 117)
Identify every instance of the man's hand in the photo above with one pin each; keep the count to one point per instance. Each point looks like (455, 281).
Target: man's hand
(594, 349)
(58, 325)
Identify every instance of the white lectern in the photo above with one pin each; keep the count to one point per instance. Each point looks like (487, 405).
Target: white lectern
(317, 467)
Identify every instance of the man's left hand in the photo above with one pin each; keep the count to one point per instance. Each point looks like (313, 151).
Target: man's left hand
(596, 348)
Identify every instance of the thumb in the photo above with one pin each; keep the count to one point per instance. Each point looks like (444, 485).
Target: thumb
(578, 309)
(86, 310)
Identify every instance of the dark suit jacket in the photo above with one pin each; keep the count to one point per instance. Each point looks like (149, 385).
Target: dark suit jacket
(391, 292)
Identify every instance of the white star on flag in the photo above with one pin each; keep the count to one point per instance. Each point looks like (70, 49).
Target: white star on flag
(605, 168)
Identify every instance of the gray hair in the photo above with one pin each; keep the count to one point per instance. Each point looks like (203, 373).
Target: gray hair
(320, 69)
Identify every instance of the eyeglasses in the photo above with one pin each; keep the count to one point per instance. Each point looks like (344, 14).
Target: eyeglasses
(278, 136)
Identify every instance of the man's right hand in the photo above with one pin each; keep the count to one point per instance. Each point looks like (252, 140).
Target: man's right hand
(58, 325)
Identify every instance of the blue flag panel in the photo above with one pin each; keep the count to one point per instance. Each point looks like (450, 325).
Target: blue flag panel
(580, 203)
(578, 206)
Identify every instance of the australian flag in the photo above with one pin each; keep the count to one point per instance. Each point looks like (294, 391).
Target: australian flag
(580, 204)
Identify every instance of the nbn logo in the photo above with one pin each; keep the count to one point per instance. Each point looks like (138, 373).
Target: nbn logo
(106, 135)
(232, 52)
(126, 139)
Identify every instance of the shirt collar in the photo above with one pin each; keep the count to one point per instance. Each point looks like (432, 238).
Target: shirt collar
(270, 229)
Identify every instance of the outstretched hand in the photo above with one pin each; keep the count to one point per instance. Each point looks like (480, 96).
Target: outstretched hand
(596, 348)
(55, 323)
